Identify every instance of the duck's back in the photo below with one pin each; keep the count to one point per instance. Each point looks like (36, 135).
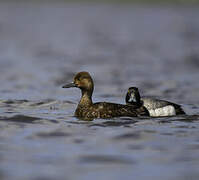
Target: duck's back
(152, 103)
(109, 110)
(120, 109)
(161, 107)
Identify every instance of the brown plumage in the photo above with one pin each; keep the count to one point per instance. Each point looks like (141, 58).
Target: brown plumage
(88, 110)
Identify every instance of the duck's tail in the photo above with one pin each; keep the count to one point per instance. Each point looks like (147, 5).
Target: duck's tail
(179, 110)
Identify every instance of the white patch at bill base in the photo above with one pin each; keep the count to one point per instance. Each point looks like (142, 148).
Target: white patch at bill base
(132, 98)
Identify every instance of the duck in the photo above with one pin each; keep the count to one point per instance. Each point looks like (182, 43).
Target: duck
(156, 107)
(87, 110)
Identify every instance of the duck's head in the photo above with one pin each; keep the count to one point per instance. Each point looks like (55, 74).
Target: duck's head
(83, 81)
(133, 96)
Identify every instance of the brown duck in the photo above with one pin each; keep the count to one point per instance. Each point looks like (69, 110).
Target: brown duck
(88, 110)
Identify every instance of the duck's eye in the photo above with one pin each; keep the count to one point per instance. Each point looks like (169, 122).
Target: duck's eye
(83, 77)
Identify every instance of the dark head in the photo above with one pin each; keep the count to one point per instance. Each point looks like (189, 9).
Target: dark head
(133, 96)
(83, 81)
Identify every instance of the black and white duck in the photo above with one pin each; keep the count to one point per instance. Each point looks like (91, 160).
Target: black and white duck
(156, 107)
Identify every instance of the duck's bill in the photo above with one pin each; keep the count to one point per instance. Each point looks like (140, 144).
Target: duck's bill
(69, 85)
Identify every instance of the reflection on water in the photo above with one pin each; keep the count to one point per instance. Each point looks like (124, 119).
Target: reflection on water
(43, 46)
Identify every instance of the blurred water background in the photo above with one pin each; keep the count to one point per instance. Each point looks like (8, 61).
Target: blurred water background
(152, 46)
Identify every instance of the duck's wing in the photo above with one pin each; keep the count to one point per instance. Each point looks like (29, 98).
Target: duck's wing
(152, 103)
(142, 111)
(120, 110)
(178, 108)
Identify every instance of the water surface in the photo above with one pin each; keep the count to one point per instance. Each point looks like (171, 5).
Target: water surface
(43, 46)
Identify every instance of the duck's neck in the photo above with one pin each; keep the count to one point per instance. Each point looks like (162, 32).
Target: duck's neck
(86, 99)
(138, 100)
(137, 103)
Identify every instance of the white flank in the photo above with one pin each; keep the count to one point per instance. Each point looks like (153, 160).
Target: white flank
(164, 111)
